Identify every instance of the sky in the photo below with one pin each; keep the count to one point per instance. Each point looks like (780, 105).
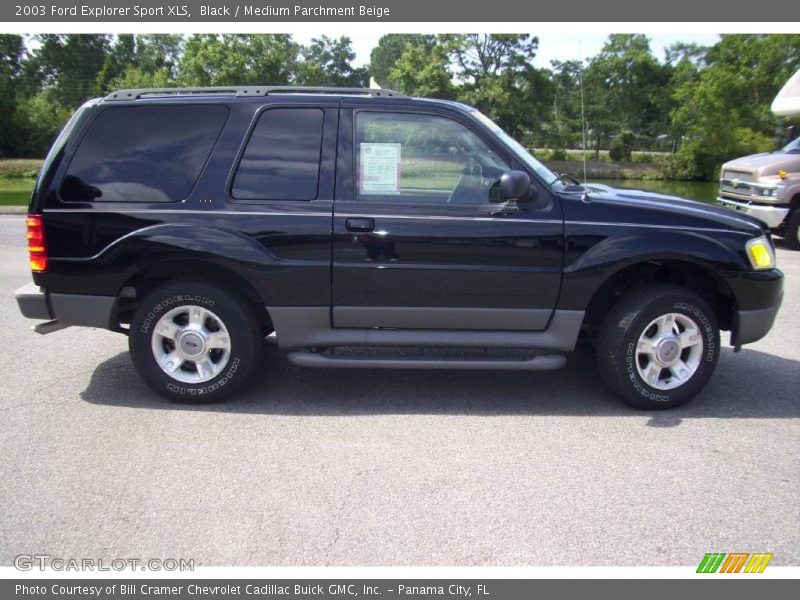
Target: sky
(553, 46)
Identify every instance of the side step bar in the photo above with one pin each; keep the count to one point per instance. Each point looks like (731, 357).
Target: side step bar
(545, 362)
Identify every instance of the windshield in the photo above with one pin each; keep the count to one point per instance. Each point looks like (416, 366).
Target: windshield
(518, 149)
(793, 147)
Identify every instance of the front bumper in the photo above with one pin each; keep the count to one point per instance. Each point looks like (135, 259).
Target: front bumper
(759, 295)
(773, 216)
(66, 309)
(751, 325)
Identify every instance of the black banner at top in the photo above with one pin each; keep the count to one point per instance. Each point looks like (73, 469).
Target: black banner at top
(450, 11)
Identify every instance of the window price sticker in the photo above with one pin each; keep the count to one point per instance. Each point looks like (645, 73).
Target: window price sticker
(380, 168)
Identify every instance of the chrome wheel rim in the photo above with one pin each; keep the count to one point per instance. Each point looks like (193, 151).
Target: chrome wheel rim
(669, 351)
(191, 344)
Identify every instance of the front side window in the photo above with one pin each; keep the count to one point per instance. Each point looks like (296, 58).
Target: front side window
(520, 150)
(282, 157)
(423, 158)
(143, 153)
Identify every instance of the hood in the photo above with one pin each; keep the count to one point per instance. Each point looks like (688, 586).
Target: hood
(649, 208)
(765, 164)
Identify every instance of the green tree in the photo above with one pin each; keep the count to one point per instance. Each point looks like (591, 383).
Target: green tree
(489, 65)
(140, 61)
(722, 109)
(40, 117)
(234, 59)
(684, 61)
(390, 48)
(12, 51)
(420, 71)
(120, 57)
(155, 52)
(624, 87)
(134, 77)
(69, 64)
(524, 104)
(562, 118)
(328, 61)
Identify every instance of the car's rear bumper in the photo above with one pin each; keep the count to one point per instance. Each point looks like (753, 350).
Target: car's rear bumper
(773, 216)
(67, 309)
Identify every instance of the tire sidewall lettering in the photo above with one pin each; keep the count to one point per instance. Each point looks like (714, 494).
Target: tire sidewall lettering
(224, 379)
(636, 382)
(171, 302)
(710, 349)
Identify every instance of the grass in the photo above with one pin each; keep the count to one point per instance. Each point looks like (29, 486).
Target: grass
(637, 156)
(16, 180)
(15, 191)
(436, 174)
(24, 168)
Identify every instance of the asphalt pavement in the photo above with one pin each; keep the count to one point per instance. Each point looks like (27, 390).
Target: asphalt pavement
(351, 467)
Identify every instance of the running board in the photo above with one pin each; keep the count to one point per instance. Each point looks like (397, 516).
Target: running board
(545, 362)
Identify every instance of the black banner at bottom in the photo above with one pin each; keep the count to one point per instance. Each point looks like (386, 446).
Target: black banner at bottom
(386, 589)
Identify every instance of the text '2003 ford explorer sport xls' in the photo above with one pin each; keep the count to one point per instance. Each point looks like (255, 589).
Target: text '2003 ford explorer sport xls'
(198, 221)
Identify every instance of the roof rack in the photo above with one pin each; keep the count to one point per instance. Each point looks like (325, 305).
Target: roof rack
(253, 90)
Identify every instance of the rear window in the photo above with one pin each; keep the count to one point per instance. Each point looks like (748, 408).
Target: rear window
(143, 153)
(281, 161)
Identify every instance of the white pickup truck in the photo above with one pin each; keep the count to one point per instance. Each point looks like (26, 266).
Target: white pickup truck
(767, 185)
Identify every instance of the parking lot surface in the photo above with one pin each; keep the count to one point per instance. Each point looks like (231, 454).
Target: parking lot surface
(351, 467)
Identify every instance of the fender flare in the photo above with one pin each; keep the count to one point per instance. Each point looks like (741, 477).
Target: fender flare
(149, 247)
(585, 276)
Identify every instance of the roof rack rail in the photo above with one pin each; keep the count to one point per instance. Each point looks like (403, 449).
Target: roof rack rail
(252, 90)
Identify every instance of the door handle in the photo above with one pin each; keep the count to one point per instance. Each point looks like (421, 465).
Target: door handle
(360, 224)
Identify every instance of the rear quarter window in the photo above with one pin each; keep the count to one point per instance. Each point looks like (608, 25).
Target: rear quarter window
(143, 153)
(282, 157)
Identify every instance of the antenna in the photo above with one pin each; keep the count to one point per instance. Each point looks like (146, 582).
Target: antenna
(583, 110)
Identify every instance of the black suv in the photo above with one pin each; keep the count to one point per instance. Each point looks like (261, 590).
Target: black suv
(359, 224)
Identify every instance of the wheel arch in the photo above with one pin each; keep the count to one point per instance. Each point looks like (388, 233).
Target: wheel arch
(701, 279)
(213, 272)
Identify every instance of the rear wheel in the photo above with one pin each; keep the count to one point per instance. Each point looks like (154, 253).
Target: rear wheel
(658, 346)
(193, 342)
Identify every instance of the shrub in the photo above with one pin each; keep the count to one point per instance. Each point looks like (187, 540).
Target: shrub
(643, 158)
(42, 117)
(702, 158)
(621, 147)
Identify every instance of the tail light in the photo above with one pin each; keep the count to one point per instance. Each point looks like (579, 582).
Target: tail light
(37, 249)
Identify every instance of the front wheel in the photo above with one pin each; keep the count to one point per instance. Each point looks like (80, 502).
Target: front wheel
(193, 342)
(658, 346)
(792, 234)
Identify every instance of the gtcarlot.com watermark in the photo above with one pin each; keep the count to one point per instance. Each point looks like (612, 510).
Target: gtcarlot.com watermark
(44, 562)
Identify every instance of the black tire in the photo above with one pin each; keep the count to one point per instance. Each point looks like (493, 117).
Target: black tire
(617, 357)
(244, 340)
(791, 236)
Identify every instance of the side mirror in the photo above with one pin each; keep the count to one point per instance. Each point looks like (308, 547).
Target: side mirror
(514, 185)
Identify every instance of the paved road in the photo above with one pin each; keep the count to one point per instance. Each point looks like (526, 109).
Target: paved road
(340, 467)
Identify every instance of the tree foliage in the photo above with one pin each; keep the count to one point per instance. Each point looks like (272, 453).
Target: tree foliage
(390, 48)
(422, 71)
(328, 61)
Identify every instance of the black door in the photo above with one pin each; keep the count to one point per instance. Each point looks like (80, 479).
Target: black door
(417, 240)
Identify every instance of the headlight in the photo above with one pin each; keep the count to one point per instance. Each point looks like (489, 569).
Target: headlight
(760, 253)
